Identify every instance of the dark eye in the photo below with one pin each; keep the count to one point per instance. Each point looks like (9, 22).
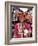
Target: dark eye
(19, 14)
(24, 15)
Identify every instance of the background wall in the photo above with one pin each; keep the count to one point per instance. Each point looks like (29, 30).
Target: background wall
(2, 20)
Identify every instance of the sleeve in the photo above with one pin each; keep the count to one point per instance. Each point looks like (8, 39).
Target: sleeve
(15, 30)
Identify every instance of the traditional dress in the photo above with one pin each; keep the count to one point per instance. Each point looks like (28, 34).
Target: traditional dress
(21, 30)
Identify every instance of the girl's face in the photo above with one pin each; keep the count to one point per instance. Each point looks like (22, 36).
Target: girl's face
(20, 15)
(21, 18)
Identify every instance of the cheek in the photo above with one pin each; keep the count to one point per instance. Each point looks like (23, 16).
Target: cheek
(22, 19)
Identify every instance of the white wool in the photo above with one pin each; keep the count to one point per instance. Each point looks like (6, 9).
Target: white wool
(25, 32)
